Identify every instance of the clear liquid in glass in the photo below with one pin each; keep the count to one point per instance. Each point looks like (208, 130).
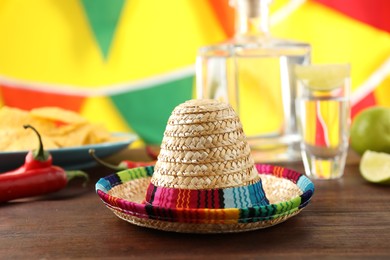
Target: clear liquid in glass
(324, 124)
(254, 73)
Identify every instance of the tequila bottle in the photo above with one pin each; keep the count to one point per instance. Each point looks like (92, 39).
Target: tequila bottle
(254, 73)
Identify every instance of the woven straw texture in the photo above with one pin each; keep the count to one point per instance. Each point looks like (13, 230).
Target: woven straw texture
(205, 179)
(288, 192)
(204, 147)
(202, 228)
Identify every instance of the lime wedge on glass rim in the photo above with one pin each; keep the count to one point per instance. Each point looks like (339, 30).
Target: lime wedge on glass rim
(323, 77)
(375, 167)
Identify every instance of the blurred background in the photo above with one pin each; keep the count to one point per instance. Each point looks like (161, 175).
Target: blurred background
(128, 63)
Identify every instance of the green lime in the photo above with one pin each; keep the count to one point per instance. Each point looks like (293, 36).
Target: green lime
(375, 167)
(370, 130)
(323, 76)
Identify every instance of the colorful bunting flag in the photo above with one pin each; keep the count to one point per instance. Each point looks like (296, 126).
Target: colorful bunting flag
(103, 17)
(128, 63)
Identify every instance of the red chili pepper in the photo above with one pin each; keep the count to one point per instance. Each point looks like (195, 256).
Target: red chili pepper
(123, 165)
(152, 151)
(126, 164)
(36, 177)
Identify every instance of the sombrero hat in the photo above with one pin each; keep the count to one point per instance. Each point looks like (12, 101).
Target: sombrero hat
(205, 180)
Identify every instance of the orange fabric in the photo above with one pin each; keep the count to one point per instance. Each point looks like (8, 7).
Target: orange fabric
(27, 99)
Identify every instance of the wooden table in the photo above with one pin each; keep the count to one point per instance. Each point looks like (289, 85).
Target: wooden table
(346, 217)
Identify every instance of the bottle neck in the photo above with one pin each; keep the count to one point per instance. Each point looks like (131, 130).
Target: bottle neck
(252, 19)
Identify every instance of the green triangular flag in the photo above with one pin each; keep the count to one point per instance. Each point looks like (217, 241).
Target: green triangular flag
(103, 16)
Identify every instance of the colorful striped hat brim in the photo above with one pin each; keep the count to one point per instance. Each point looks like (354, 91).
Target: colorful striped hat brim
(124, 193)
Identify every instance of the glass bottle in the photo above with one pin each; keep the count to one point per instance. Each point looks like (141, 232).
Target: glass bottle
(254, 73)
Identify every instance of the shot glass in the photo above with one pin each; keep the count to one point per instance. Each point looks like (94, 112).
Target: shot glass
(323, 118)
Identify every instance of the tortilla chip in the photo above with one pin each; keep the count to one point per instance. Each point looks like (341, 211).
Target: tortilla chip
(98, 134)
(58, 128)
(12, 117)
(58, 115)
(77, 137)
(22, 139)
(5, 138)
(15, 118)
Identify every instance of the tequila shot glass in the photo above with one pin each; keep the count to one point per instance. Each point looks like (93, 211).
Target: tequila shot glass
(323, 118)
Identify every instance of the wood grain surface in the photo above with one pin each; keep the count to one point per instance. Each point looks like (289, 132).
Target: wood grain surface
(346, 218)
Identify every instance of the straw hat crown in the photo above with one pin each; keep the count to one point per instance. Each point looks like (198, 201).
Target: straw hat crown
(204, 149)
